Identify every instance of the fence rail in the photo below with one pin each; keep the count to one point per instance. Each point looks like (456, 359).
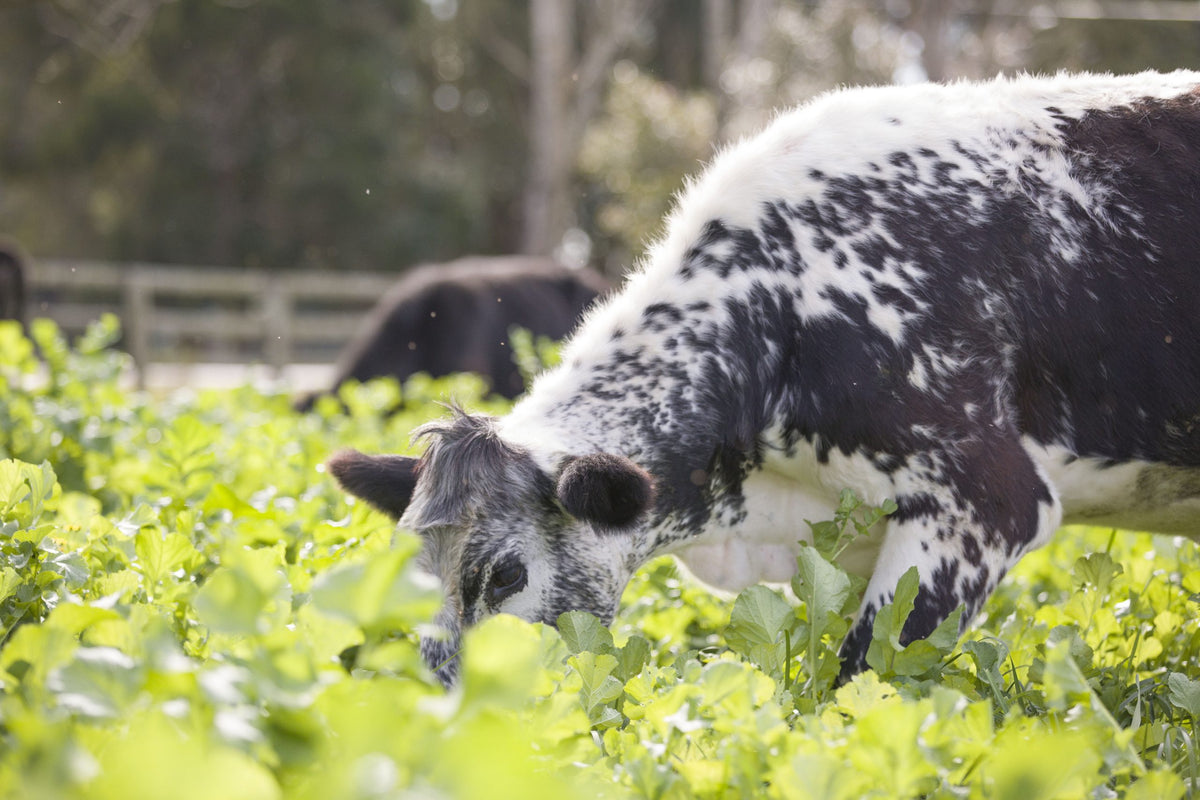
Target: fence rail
(176, 314)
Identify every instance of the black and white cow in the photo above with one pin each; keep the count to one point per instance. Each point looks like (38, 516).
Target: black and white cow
(456, 317)
(980, 299)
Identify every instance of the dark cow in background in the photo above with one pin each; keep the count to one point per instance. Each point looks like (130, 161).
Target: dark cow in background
(980, 299)
(456, 317)
(12, 281)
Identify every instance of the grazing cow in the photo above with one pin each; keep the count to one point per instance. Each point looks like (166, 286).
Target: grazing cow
(979, 299)
(12, 281)
(456, 317)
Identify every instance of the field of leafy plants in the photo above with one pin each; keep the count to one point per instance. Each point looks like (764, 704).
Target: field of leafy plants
(190, 608)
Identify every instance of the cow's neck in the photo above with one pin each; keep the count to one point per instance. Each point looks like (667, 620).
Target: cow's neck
(673, 395)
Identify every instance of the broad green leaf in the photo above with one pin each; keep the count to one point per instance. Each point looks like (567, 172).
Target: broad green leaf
(632, 657)
(1184, 693)
(250, 594)
(328, 636)
(1065, 684)
(1097, 570)
(819, 776)
(864, 693)
(917, 658)
(488, 756)
(21, 482)
(901, 606)
(137, 519)
(1042, 763)
(600, 689)
(386, 592)
(826, 535)
(707, 777)
(988, 657)
(42, 482)
(222, 498)
(885, 652)
(823, 587)
(923, 655)
(33, 651)
(159, 553)
(1158, 784)
(9, 581)
(583, 632)
(13, 487)
(71, 566)
(98, 682)
(889, 622)
(230, 601)
(1078, 649)
(500, 658)
(759, 617)
(157, 757)
(893, 734)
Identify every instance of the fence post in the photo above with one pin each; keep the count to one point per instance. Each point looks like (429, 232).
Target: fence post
(277, 316)
(162, 308)
(136, 318)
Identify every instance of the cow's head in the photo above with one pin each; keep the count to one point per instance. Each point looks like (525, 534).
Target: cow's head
(501, 533)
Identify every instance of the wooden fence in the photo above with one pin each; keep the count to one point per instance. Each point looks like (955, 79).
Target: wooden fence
(181, 315)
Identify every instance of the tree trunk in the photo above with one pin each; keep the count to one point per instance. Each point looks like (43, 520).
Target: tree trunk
(718, 16)
(547, 188)
(930, 19)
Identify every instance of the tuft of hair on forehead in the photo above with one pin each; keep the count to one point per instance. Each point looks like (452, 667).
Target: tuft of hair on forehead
(466, 465)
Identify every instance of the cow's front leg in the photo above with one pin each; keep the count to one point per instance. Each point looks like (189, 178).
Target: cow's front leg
(965, 514)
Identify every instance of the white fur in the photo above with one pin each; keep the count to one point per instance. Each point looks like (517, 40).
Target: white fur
(1134, 495)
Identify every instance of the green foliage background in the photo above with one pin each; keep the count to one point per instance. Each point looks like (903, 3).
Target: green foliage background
(361, 134)
(270, 133)
(189, 608)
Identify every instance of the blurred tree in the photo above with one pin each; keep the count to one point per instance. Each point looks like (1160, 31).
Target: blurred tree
(734, 40)
(634, 156)
(101, 27)
(567, 86)
(273, 132)
(1114, 45)
(366, 134)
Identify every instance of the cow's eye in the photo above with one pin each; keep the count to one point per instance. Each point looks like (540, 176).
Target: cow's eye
(507, 579)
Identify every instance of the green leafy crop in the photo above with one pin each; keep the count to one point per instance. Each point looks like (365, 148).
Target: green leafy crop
(189, 608)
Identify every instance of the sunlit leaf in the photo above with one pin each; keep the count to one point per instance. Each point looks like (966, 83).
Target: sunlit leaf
(822, 587)
(759, 617)
(384, 592)
(98, 682)
(1185, 693)
(1097, 570)
(583, 632)
(1157, 785)
(160, 553)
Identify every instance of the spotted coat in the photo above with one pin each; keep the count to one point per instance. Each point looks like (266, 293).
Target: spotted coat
(979, 299)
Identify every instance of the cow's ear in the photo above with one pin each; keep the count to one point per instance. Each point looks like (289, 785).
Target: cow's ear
(383, 482)
(607, 490)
